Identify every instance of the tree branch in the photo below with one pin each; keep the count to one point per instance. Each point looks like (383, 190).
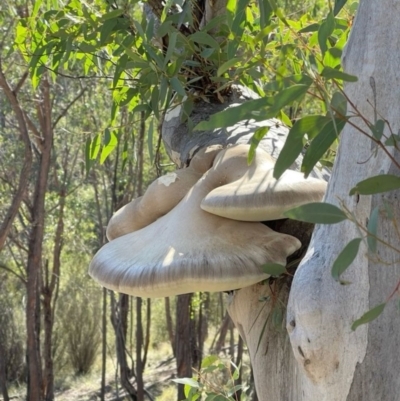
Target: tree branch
(65, 111)
(4, 267)
(24, 175)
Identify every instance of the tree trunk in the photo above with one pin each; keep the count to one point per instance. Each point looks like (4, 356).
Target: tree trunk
(3, 374)
(169, 324)
(322, 359)
(35, 385)
(119, 313)
(183, 340)
(335, 363)
(139, 347)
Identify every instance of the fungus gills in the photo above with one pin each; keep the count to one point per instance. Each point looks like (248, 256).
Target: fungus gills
(200, 230)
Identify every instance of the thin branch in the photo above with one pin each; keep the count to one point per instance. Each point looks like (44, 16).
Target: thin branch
(24, 175)
(20, 82)
(4, 267)
(65, 111)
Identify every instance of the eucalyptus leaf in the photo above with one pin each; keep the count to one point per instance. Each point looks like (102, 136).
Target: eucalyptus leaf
(320, 144)
(369, 316)
(258, 109)
(317, 213)
(258, 135)
(187, 380)
(372, 228)
(338, 6)
(345, 258)
(293, 146)
(376, 185)
(333, 73)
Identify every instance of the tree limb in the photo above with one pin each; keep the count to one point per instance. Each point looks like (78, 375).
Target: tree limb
(24, 175)
(65, 111)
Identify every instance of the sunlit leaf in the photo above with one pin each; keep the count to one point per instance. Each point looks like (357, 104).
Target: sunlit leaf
(111, 142)
(255, 140)
(345, 258)
(324, 31)
(187, 380)
(369, 316)
(293, 146)
(259, 109)
(376, 185)
(317, 213)
(332, 73)
(227, 65)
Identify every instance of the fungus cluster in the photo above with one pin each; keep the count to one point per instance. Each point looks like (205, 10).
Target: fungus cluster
(199, 229)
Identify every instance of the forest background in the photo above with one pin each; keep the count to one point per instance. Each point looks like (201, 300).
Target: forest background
(79, 138)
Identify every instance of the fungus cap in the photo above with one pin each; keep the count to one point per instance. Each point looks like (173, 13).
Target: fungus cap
(189, 249)
(251, 193)
(161, 196)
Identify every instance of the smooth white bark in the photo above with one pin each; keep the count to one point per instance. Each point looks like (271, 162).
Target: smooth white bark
(333, 362)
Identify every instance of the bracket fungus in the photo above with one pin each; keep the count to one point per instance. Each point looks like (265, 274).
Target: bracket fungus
(203, 231)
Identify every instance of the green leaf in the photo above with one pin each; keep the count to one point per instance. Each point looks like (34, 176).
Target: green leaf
(265, 13)
(259, 109)
(273, 269)
(324, 31)
(338, 6)
(205, 39)
(240, 18)
(228, 64)
(187, 380)
(106, 30)
(376, 185)
(317, 213)
(113, 14)
(294, 143)
(332, 73)
(372, 229)
(111, 142)
(320, 144)
(339, 104)
(171, 47)
(95, 146)
(369, 316)
(255, 140)
(310, 28)
(345, 258)
(177, 86)
(208, 361)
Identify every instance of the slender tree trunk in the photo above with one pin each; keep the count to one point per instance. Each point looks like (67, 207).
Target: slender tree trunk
(147, 337)
(183, 340)
(139, 347)
(119, 313)
(170, 330)
(3, 374)
(104, 346)
(223, 331)
(35, 389)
